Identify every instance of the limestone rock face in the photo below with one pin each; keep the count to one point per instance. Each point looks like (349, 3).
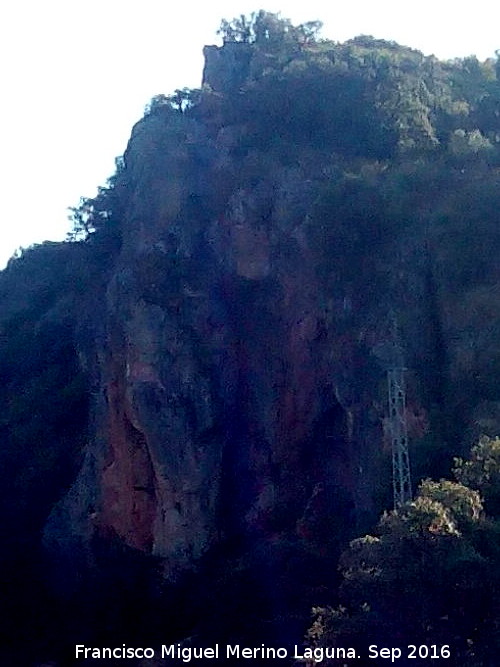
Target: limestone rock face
(226, 67)
(223, 405)
(238, 389)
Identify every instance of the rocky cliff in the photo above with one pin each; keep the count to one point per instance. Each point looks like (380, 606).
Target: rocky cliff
(238, 362)
(251, 256)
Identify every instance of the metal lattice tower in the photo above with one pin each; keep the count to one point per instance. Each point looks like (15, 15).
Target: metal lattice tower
(391, 357)
(401, 479)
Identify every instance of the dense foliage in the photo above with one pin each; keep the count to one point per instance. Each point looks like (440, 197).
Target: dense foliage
(288, 96)
(429, 576)
(366, 97)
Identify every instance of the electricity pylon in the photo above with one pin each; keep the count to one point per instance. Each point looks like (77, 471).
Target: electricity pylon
(401, 478)
(390, 357)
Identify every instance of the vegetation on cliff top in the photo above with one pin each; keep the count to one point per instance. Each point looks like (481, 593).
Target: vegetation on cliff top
(286, 96)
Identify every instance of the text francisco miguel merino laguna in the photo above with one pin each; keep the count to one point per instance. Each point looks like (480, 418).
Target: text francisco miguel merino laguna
(188, 653)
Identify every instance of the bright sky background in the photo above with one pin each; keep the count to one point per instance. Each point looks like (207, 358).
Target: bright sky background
(77, 74)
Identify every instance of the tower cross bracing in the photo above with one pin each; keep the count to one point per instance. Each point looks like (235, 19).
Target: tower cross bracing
(401, 479)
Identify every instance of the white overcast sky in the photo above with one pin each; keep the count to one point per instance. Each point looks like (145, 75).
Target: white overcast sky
(76, 75)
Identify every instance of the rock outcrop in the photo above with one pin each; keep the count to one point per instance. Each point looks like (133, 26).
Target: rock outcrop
(238, 393)
(238, 367)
